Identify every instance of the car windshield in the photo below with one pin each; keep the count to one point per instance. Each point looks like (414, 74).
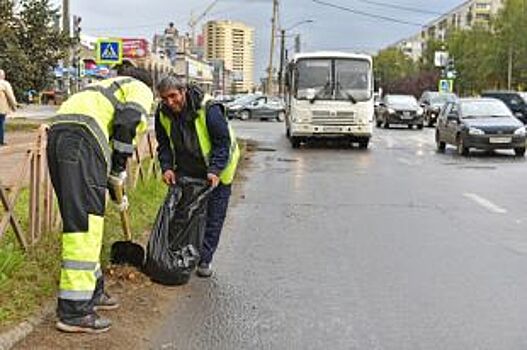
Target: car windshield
(484, 109)
(352, 79)
(313, 78)
(244, 99)
(401, 100)
(442, 98)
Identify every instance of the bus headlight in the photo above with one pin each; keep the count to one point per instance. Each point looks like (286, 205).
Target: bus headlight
(301, 117)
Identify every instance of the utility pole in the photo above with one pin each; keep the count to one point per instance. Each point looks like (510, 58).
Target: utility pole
(271, 51)
(509, 72)
(66, 30)
(66, 17)
(298, 46)
(282, 59)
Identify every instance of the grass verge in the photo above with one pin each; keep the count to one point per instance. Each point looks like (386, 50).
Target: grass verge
(20, 124)
(29, 280)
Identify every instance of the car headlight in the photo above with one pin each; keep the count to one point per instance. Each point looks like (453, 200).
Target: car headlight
(235, 107)
(420, 111)
(475, 131)
(391, 110)
(520, 131)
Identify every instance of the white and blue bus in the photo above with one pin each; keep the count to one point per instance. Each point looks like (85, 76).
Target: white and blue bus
(329, 95)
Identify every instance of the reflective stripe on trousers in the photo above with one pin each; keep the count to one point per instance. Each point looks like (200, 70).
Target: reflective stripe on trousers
(80, 261)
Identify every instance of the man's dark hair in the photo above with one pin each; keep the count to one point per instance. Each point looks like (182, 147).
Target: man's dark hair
(140, 74)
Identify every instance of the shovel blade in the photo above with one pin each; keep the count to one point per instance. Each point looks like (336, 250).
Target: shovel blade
(127, 253)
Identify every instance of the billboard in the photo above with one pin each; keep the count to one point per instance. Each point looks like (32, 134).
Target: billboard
(135, 48)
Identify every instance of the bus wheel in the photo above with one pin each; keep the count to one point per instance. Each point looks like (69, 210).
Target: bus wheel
(295, 142)
(363, 143)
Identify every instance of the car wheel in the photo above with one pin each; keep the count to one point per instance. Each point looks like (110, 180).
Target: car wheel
(520, 151)
(410, 126)
(430, 123)
(441, 146)
(420, 126)
(245, 115)
(295, 142)
(461, 149)
(280, 117)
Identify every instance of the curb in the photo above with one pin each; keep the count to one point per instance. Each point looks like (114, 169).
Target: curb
(11, 337)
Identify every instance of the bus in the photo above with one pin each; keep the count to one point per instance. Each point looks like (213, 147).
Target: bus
(329, 95)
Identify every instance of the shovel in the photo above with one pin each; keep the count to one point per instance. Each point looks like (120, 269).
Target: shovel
(126, 252)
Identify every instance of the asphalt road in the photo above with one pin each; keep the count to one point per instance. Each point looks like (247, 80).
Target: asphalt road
(396, 247)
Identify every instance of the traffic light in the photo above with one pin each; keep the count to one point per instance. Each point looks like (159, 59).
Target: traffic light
(450, 69)
(77, 26)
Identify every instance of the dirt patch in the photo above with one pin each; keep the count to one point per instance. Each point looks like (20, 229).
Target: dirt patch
(142, 305)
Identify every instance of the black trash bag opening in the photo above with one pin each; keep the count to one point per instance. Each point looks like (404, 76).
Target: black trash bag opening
(176, 238)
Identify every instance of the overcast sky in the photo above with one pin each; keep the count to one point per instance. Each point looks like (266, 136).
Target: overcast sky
(333, 28)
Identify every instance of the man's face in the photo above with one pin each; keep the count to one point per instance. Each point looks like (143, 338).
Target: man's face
(174, 99)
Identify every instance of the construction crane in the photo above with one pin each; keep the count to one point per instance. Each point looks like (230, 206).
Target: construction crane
(194, 20)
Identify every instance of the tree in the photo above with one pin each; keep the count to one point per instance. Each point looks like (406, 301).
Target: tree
(42, 42)
(511, 44)
(30, 44)
(392, 65)
(474, 56)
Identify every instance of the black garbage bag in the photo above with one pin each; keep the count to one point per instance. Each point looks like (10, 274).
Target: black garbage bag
(173, 248)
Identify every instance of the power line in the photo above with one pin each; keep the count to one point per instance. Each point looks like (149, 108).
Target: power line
(401, 7)
(367, 14)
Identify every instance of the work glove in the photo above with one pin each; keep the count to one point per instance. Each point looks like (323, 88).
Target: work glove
(116, 183)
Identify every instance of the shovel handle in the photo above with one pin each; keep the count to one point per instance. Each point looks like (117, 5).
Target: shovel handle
(125, 217)
(127, 228)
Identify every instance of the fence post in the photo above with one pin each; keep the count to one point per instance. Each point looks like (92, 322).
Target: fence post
(33, 186)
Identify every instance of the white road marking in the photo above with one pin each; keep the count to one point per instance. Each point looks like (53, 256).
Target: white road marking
(485, 203)
(405, 161)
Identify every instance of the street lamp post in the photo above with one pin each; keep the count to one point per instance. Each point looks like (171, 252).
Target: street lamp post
(283, 53)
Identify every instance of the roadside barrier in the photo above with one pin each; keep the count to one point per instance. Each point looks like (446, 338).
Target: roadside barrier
(43, 214)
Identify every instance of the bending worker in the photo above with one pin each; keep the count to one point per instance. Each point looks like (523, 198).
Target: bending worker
(195, 140)
(89, 143)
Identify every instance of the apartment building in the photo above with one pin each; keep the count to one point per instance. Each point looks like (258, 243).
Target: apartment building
(465, 16)
(233, 43)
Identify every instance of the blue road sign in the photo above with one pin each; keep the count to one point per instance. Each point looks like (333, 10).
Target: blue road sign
(109, 51)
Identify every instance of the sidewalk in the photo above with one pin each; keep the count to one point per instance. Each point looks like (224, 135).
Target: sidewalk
(35, 112)
(13, 155)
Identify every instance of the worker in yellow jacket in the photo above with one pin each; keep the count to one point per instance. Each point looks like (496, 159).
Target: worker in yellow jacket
(89, 143)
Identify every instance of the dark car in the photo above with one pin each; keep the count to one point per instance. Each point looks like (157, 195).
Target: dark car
(399, 109)
(483, 123)
(432, 102)
(258, 107)
(516, 101)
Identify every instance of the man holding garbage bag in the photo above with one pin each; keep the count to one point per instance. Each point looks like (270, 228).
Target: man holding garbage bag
(195, 140)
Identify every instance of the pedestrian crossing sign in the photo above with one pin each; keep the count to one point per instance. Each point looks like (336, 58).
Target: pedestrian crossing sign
(109, 51)
(446, 85)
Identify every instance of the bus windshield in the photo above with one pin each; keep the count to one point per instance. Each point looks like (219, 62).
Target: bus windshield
(333, 79)
(313, 77)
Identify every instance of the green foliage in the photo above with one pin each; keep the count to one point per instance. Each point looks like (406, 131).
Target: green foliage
(30, 44)
(481, 55)
(391, 66)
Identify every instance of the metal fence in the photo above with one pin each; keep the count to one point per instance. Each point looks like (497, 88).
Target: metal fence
(43, 215)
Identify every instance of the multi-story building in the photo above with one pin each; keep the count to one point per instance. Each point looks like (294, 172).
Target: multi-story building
(465, 16)
(233, 43)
